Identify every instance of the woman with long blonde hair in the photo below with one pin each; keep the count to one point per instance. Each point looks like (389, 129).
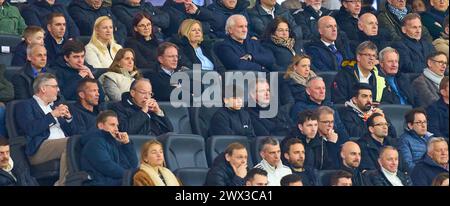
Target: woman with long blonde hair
(120, 75)
(297, 74)
(152, 170)
(102, 48)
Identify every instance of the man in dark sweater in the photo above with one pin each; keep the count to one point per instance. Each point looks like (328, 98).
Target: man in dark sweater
(294, 156)
(351, 159)
(55, 38)
(106, 152)
(139, 113)
(229, 168)
(85, 110)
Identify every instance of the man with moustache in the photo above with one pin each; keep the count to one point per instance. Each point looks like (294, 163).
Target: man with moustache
(364, 71)
(10, 175)
(293, 152)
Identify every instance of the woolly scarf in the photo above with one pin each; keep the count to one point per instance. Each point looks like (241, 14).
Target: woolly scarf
(288, 43)
(363, 115)
(436, 79)
(168, 176)
(399, 13)
(299, 79)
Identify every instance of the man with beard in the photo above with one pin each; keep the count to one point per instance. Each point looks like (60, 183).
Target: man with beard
(294, 155)
(364, 71)
(375, 139)
(358, 109)
(351, 159)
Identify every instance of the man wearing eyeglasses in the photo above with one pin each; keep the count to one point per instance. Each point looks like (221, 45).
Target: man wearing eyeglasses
(347, 17)
(413, 143)
(376, 138)
(427, 84)
(139, 113)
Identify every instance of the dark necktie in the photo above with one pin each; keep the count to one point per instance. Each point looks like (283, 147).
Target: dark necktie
(337, 54)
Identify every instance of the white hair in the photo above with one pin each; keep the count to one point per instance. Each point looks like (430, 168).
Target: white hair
(231, 21)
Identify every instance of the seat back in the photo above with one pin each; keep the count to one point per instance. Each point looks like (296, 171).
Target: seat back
(183, 150)
(217, 144)
(324, 177)
(84, 39)
(74, 153)
(192, 176)
(257, 144)
(10, 71)
(127, 179)
(6, 58)
(178, 116)
(328, 78)
(138, 141)
(11, 126)
(396, 114)
(201, 119)
(10, 40)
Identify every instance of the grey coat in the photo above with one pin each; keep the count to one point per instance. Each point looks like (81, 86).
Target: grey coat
(426, 91)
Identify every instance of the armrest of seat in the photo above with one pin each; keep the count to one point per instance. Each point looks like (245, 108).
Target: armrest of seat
(77, 178)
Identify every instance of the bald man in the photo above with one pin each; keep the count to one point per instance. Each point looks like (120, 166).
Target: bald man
(351, 159)
(388, 174)
(139, 113)
(331, 49)
(368, 30)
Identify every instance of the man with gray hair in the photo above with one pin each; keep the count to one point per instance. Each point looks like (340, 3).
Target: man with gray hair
(238, 52)
(271, 161)
(364, 71)
(36, 64)
(433, 163)
(399, 90)
(45, 125)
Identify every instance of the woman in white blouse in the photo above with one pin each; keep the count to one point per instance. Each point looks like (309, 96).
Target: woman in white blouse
(102, 47)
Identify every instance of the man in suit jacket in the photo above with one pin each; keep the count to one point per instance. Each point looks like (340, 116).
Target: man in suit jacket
(45, 125)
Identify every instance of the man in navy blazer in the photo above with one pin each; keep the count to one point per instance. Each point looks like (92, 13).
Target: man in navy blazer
(45, 126)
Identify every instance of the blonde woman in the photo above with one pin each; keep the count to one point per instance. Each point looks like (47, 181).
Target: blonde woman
(193, 48)
(120, 75)
(297, 74)
(152, 171)
(102, 47)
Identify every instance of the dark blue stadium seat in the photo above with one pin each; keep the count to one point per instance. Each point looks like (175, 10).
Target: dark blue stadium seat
(10, 71)
(257, 144)
(217, 144)
(84, 39)
(201, 119)
(192, 176)
(10, 40)
(138, 141)
(396, 114)
(183, 150)
(178, 116)
(323, 177)
(128, 177)
(75, 177)
(328, 78)
(6, 58)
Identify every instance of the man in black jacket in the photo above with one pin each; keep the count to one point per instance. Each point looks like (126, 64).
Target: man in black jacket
(433, 163)
(347, 17)
(229, 168)
(375, 139)
(139, 113)
(388, 174)
(85, 110)
(55, 38)
(23, 80)
(368, 30)
(10, 175)
(294, 157)
(278, 125)
(308, 17)
(398, 86)
(351, 160)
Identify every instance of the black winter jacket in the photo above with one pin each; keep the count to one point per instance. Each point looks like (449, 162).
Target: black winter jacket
(231, 122)
(222, 174)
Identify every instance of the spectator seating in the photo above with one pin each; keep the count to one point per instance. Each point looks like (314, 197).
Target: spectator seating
(201, 118)
(10, 71)
(178, 116)
(7, 44)
(128, 177)
(324, 176)
(257, 144)
(396, 114)
(183, 150)
(84, 39)
(192, 176)
(328, 78)
(75, 177)
(48, 171)
(217, 144)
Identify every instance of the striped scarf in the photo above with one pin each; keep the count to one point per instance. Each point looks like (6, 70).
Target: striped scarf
(399, 13)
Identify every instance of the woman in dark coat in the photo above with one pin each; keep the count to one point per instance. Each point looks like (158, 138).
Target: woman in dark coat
(298, 73)
(279, 39)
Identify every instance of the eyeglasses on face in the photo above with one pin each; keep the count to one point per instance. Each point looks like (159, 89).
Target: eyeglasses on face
(369, 55)
(145, 93)
(421, 123)
(441, 63)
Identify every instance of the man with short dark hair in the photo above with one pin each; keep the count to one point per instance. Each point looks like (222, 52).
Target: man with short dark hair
(229, 168)
(256, 177)
(433, 163)
(413, 143)
(291, 180)
(438, 112)
(412, 47)
(347, 17)
(375, 139)
(55, 37)
(106, 152)
(358, 109)
(341, 178)
(85, 110)
(10, 175)
(294, 155)
(139, 113)
(271, 161)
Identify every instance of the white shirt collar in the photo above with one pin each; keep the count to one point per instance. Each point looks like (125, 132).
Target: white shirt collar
(271, 12)
(363, 79)
(41, 102)
(326, 43)
(392, 177)
(167, 71)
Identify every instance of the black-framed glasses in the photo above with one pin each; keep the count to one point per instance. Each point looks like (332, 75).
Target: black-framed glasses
(382, 124)
(441, 63)
(354, 1)
(421, 123)
(144, 25)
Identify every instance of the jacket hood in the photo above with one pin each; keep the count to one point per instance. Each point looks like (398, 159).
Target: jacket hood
(241, 5)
